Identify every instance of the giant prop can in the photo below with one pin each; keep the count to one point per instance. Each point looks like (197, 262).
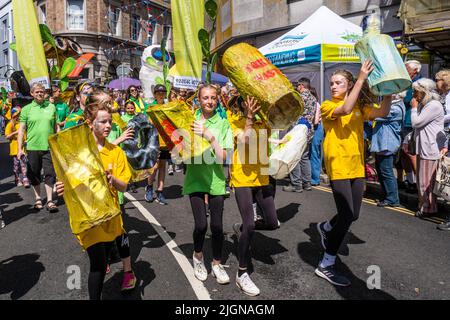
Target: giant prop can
(254, 75)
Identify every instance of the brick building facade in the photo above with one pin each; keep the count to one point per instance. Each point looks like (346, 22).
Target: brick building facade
(115, 31)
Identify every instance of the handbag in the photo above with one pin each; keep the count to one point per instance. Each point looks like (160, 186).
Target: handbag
(412, 144)
(442, 184)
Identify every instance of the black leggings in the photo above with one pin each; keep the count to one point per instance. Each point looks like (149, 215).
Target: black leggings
(201, 223)
(244, 198)
(98, 258)
(348, 195)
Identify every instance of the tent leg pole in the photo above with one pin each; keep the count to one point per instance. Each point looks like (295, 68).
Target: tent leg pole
(322, 72)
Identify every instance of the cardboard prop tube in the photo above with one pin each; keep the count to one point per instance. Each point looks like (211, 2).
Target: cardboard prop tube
(254, 75)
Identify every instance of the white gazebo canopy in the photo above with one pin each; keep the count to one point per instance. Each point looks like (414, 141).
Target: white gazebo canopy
(323, 38)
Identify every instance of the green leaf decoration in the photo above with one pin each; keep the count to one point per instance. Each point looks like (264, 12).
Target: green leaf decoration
(67, 67)
(214, 59)
(13, 46)
(54, 72)
(168, 87)
(4, 94)
(64, 84)
(203, 37)
(211, 9)
(46, 35)
(165, 71)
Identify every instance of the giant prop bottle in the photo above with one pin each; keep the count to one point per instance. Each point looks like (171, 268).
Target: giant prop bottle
(254, 75)
(389, 75)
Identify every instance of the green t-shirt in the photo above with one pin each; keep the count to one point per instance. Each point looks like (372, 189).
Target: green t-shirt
(62, 111)
(127, 117)
(40, 123)
(209, 177)
(74, 118)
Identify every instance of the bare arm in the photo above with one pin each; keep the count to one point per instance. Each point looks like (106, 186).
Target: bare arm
(22, 129)
(352, 98)
(384, 110)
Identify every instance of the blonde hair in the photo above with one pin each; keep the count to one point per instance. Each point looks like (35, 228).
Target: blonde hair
(428, 88)
(444, 75)
(36, 85)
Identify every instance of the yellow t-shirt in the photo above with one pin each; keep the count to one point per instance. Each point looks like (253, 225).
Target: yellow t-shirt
(114, 160)
(13, 147)
(250, 167)
(344, 141)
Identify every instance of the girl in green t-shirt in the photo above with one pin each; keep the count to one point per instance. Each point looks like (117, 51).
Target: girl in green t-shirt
(209, 179)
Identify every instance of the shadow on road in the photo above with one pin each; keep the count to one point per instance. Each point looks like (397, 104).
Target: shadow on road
(288, 212)
(310, 252)
(173, 192)
(19, 274)
(17, 213)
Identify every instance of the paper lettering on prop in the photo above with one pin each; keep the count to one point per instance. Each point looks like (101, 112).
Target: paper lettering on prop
(30, 51)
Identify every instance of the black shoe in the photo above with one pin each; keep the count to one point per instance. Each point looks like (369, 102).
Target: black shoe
(423, 215)
(445, 226)
(292, 189)
(384, 203)
(323, 234)
(330, 274)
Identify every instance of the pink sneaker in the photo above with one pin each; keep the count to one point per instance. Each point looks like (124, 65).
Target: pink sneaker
(129, 281)
(108, 270)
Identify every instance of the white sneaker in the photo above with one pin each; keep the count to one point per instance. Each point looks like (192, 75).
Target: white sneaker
(219, 273)
(246, 285)
(199, 269)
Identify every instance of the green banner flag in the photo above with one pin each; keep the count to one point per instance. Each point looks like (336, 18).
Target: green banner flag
(30, 50)
(188, 18)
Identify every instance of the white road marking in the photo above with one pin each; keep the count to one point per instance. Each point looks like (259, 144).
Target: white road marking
(200, 290)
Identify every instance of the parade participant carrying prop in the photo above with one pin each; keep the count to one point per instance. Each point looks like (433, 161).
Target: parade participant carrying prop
(187, 18)
(390, 75)
(142, 151)
(77, 164)
(254, 75)
(30, 51)
(151, 72)
(289, 152)
(173, 121)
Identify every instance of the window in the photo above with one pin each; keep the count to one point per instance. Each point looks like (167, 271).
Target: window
(75, 14)
(4, 30)
(6, 57)
(114, 20)
(135, 27)
(42, 11)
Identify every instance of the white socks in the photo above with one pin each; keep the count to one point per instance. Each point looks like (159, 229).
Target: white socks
(328, 260)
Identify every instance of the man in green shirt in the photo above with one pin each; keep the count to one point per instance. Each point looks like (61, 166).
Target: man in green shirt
(62, 109)
(38, 120)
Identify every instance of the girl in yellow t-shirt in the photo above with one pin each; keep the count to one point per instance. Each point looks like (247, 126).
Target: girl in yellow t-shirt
(250, 180)
(98, 240)
(19, 165)
(343, 119)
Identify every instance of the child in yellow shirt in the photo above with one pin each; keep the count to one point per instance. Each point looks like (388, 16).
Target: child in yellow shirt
(19, 165)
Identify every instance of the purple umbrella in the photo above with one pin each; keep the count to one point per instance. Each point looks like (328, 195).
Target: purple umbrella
(123, 83)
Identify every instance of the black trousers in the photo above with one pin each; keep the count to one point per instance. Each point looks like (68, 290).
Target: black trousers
(348, 195)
